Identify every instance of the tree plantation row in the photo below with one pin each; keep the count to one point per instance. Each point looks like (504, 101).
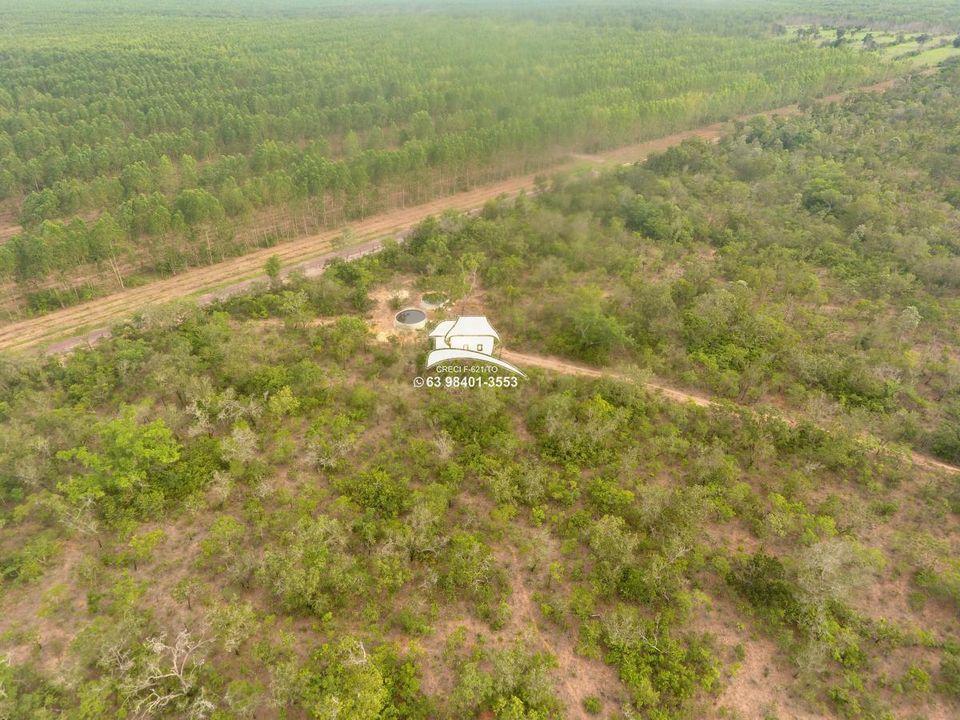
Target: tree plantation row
(249, 511)
(812, 261)
(145, 144)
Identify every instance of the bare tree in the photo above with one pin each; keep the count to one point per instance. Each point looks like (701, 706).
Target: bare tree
(167, 677)
(79, 516)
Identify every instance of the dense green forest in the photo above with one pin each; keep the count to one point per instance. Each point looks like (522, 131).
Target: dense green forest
(248, 511)
(136, 140)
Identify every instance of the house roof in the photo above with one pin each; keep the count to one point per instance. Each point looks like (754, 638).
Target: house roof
(473, 325)
(442, 329)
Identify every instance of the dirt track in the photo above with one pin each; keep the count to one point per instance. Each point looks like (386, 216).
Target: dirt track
(567, 368)
(65, 329)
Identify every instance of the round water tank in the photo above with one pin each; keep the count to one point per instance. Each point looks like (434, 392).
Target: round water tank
(411, 319)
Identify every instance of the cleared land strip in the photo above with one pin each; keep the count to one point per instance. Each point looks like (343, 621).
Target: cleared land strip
(563, 367)
(67, 328)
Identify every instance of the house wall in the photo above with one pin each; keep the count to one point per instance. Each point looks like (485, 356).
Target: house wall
(479, 343)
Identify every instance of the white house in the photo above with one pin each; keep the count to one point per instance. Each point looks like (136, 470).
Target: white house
(469, 337)
(468, 332)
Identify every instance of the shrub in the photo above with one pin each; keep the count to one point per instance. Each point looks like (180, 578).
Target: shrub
(762, 580)
(592, 705)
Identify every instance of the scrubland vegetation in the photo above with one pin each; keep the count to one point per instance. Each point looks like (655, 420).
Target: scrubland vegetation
(247, 510)
(811, 261)
(219, 514)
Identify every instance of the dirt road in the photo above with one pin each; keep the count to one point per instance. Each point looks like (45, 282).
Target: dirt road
(564, 367)
(568, 368)
(65, 329)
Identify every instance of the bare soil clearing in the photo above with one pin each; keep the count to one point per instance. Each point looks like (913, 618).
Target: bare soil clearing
(760, 680)
(578, 677)
(65, 329)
